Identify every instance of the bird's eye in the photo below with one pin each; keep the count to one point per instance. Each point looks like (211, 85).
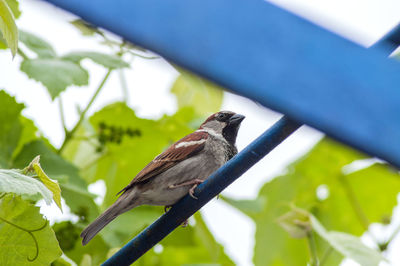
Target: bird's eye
(221, 116)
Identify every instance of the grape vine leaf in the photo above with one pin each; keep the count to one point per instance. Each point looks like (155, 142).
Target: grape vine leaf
(37, 45)
(8, 28)
(13, 181)
(55, 74)
(68, 233)
(348, 245)
(14, 6)
(51, 184)
(25, 237)
(10, 128)
(73, 187)
(106, 60)
(202, 95)
(84, 27)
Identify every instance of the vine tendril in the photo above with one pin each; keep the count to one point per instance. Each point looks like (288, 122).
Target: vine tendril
(30, 232)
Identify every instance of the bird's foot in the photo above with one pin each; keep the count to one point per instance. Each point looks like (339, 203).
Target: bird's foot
(194, 182)
(191, 191)
(185, 223)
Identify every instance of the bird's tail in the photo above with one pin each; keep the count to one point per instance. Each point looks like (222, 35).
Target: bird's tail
(120, 206)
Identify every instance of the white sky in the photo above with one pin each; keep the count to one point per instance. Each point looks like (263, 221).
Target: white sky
(363, 21)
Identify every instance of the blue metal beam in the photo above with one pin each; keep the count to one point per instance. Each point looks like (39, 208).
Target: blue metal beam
(272, 56)
(210, 188)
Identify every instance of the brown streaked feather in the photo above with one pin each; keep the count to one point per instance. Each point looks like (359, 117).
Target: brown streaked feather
(169, 158)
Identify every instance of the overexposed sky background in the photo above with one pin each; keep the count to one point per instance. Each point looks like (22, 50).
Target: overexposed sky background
(363, 21)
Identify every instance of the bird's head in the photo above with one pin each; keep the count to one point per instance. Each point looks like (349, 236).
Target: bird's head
(225, 124)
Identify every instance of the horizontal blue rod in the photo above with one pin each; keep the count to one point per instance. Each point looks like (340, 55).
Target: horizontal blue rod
(206, 191)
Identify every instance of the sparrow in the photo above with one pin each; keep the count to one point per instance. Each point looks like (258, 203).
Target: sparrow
(177, 171)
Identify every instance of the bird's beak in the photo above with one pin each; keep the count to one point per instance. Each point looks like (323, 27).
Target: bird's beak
(236, 119)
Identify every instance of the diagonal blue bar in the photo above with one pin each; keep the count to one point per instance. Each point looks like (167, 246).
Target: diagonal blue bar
(272, 56)
(390, 41)
(210, 188)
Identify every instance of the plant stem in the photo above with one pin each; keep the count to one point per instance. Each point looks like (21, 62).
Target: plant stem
(143, 56)
(69, 134)
(22, 54)
(354, 202)
(396, 231)
(326, 255)
(313, 249)
(124, 85)
(61, 107)
(362, 217)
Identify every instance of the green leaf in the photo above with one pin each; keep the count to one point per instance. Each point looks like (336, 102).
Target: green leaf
(379, 178)
(51, 184)
(86, 260)
(73, 187)
(204, 96)
(116, 235)
(97, 248)
(15, 130)
(14, 6)
(12, 181)
(68, 236)
(8, 27)
(3, 42)
(205, 238)
(60, 262)
(25, 237)
(250, 207)
(55, 74)
(10, 127)
(36, 44)
(29, 133)
(84, 27)
(106, 60)
(348, 245)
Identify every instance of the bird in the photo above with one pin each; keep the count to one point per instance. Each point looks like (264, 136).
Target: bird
(177, 171)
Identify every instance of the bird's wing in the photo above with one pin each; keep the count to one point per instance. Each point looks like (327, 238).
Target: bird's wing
(180, 150)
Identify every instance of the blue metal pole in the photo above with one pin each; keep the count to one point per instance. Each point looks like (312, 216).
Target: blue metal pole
(390, 41)
(210, 188)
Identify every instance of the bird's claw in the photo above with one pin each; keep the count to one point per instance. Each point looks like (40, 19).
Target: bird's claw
(193, 182)
(191, 192)
(185, 223)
